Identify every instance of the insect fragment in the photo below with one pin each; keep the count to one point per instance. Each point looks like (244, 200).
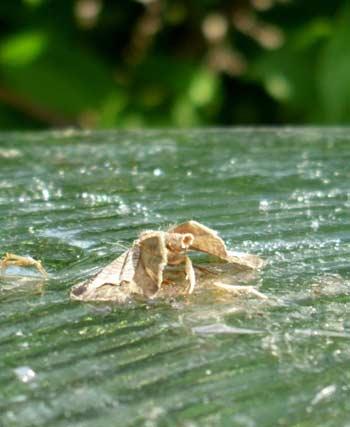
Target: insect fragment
(158, 259)
(21, 261)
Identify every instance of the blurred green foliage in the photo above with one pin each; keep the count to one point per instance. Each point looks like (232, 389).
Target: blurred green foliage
(127, 63)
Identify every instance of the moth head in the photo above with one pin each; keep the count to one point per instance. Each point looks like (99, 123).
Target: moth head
(187, 240)
(178, 242)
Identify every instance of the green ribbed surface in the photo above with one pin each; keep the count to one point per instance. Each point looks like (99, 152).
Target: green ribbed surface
(74, 200)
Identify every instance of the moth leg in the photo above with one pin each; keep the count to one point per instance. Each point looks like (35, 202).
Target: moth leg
(190, 275)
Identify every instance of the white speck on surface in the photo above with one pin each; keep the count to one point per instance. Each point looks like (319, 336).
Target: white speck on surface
(25, 374)
(324, 394)
(315, 225)
(221, 328)
(123, 209)
(158, 172)
(46, 194)
(24, 344)
(9, 153)
(263, 205)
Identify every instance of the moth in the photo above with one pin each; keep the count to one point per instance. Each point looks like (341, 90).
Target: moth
(158, 261)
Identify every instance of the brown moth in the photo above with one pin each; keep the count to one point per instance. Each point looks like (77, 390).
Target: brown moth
(155, 259)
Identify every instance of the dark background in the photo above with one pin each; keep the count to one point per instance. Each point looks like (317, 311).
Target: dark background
(124, 63)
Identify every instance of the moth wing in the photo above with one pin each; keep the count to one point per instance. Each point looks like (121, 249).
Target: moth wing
(244, 260)
(205, 239)
(120, 270)
(153, 259)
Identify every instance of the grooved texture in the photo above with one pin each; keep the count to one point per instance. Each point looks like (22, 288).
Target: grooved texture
(76, 199)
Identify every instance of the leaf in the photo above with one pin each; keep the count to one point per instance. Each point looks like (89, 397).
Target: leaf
(23, 48)
(70, 82)
(290, 74)
(333, 79)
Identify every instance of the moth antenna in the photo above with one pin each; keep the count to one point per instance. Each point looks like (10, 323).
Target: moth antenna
(149, 230)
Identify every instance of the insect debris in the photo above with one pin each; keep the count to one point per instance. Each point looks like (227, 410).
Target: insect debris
(21, 261)
(157, 261)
